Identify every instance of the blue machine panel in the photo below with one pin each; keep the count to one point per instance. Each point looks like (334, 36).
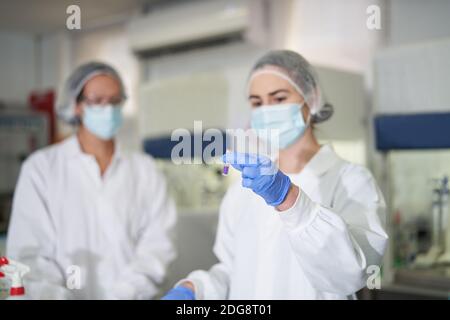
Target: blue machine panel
(412, 131)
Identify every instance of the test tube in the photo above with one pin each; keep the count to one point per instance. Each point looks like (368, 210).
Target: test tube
(226, 167)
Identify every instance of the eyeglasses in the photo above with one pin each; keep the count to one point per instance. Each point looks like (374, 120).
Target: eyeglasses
(103, 101)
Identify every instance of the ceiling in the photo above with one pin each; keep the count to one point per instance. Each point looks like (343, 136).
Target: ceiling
(39, 16)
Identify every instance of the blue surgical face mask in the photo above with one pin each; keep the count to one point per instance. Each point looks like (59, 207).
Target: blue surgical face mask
(286, 118)
(102, 121)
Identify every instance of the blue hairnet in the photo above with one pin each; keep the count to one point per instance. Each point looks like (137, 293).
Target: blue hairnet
(297, 70)
(66, 103)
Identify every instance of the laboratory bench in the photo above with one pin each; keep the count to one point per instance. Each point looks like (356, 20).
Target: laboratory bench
(413, 284)
(407, 292)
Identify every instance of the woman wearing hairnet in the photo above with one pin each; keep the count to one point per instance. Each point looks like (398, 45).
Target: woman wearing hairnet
(91, 221)
(307, 228)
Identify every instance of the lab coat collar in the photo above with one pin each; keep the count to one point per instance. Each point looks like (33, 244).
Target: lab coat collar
(322, 161)
(73, 148)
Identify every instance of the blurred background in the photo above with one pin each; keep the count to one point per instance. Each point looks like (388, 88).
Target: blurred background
(383, 64)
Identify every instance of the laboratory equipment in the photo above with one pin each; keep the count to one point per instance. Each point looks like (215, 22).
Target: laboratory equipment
(413, 148)
(444, 259)
(438, 212)
(198, 183)
(15, 271)
(405, 237)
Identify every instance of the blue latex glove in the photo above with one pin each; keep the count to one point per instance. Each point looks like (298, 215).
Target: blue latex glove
(261, 175)
(179, 293)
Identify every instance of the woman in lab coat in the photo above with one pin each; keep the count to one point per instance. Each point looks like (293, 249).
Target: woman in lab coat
(310, 227)
(92, 221)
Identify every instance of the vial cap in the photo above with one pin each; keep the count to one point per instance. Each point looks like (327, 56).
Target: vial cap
(19, 291)
(3, 261)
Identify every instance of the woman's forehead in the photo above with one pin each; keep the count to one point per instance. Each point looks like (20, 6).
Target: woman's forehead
(102, 83)
(264, 83)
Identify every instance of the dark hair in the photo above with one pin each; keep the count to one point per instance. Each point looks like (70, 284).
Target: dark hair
(80, 96)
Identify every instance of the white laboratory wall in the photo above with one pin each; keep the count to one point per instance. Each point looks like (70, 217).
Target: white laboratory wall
(413, 78)
(345, 91)
(176, 103)
(17, 67)
(334, 33)
(55, 59)
(346, 130)
(411, 72)
(229, 63)
(413, 21)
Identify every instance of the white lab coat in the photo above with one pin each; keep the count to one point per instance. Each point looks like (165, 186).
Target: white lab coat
(70, 224)
(318, 249)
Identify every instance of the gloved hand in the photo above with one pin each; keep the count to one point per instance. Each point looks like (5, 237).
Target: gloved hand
(179, 293)
(261, 175)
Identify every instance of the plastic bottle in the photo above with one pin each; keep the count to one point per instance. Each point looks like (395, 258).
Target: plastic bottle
(15, 271)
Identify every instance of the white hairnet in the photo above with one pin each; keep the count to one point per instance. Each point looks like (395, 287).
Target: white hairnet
(292, 67)
(66, 103)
